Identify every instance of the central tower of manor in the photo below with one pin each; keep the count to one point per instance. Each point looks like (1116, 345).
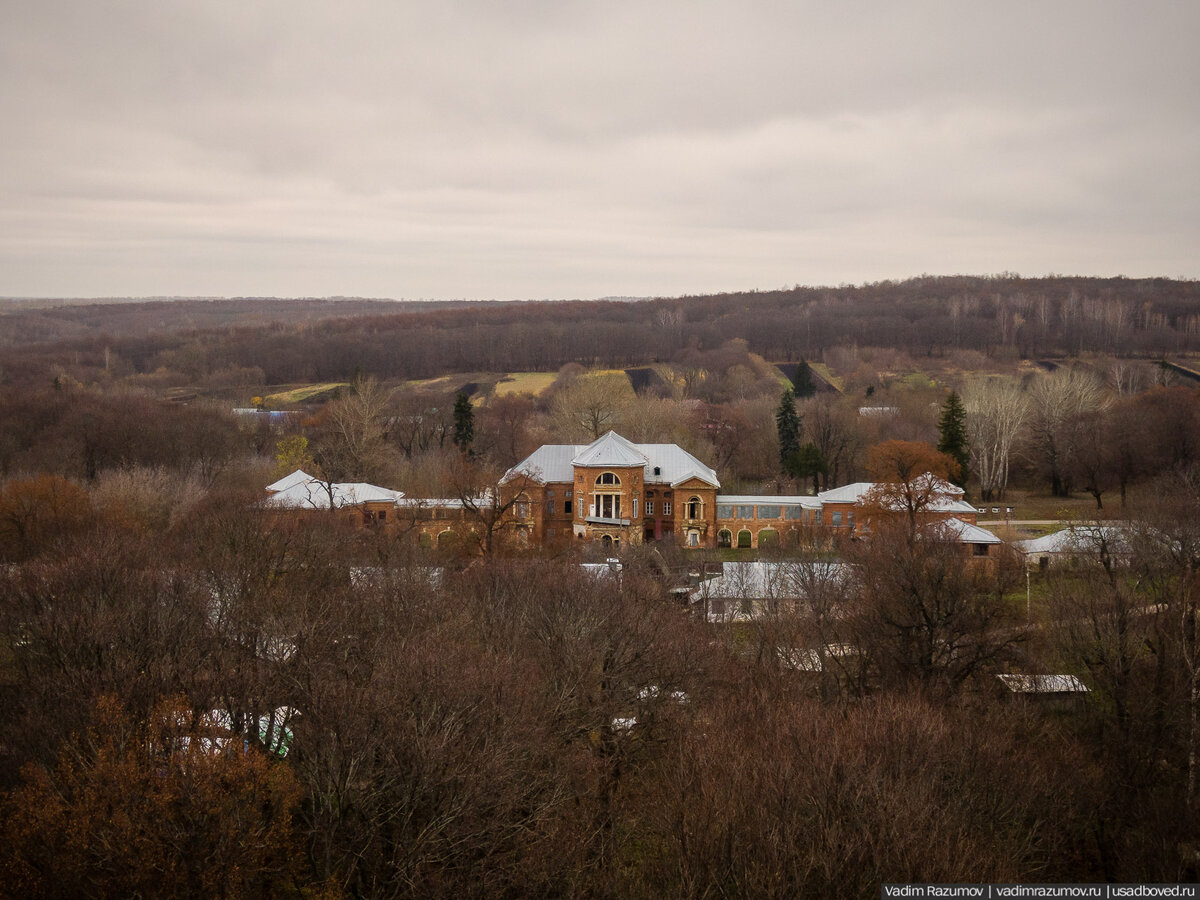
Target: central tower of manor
(615, 491)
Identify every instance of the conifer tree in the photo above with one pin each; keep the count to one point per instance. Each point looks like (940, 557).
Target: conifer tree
(953, 442)
(808, 463)
(464, 423)
(787, 421)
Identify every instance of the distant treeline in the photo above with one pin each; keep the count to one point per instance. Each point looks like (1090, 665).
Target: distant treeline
(1002, 316)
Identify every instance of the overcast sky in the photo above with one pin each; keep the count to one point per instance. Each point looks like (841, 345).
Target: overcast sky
(527, 149)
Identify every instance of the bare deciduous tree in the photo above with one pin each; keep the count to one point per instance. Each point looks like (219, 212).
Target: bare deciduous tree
(1058, 404)
(996, 409)
(588, 406)
(350, 445)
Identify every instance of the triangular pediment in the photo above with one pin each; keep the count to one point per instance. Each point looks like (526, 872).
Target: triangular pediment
(693, 481)
(610, 450)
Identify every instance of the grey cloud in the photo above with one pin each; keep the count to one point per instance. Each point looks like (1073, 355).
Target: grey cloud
(578, 149)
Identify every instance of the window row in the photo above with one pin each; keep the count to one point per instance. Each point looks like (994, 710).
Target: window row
(764, 511)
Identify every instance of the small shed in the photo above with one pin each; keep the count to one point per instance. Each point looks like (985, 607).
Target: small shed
(1076, 544)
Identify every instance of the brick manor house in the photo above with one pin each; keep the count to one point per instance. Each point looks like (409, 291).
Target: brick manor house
(617, 492)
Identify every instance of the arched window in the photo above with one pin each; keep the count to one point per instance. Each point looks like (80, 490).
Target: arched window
(695, 508)
(606, 540)
(724, 538)
(768, 537)
(744, 538)
(606, 501)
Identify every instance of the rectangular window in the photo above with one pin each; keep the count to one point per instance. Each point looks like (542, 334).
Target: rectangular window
(567, 507)
(635, 506)
(550, 492)
(980, 549)
(567, 493)
(793, 512)
(819, 516)
(837, 519)
(770, 512)
(850, 518)
(745, 512)
(608, 506)
(666, 507)
(649, 507)
(383, 515)
(725, 510)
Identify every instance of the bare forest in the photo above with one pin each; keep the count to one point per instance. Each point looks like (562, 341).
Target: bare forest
(202, 698)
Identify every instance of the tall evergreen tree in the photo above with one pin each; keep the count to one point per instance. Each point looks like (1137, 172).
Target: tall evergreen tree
(808, 463)
(953, 442)
(787, 421)
(464, 423)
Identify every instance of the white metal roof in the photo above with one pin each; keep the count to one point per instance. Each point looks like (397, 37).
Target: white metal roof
(1043, 684)
(942, 495)
(945, 504)
(315, 495)
(432, 503)
(1077, 539)
(810, 660)
(968, 533)
(847, 493)
(287, 481)
(666, 464)
(807, 502)
(610, 450)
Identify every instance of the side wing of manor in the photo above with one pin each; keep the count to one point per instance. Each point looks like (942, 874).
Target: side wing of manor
(617, 492)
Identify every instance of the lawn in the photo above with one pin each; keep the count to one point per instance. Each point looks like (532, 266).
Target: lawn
(1035, 505)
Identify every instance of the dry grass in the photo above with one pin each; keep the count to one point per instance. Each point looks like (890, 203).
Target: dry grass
(1040, 506)
(303, 392)
(823, 370)
(534, 383)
